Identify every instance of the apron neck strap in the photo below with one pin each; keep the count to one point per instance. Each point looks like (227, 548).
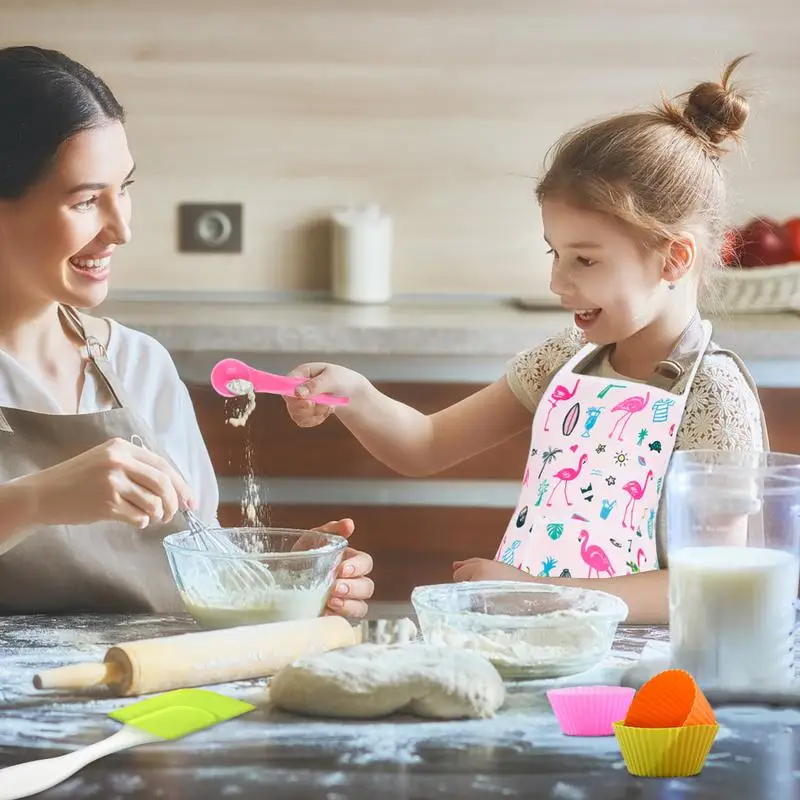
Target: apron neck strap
(72, 318)
(678, 369)
(677, 372)
(97, 354)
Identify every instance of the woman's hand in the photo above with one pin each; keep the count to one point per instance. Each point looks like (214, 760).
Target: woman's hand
(353, 586)
(116, 480)
(483, 569)
(322, 379)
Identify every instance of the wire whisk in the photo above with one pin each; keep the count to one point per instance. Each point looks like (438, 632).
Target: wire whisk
(240, 574)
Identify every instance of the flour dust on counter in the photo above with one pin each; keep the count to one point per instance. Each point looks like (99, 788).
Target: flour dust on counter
(520, 752)
(66, 721)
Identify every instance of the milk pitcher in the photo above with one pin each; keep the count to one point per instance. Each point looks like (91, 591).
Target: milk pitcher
(733, 543)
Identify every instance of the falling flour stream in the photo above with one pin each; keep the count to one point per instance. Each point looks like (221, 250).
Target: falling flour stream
(254, 513)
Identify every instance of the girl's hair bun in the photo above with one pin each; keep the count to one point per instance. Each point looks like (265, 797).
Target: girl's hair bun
(717, 111)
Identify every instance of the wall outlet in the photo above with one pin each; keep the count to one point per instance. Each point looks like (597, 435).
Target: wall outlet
(210, 228)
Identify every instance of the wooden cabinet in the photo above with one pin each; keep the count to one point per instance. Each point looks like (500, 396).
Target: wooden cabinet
(412, 544)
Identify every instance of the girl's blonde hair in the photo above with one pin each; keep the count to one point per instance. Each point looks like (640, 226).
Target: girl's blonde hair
(656, 171)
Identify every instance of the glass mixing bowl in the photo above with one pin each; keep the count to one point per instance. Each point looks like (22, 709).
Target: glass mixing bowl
(527, 630)
(260, 575)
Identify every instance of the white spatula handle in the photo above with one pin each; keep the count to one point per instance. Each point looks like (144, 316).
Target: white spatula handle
(32, 777)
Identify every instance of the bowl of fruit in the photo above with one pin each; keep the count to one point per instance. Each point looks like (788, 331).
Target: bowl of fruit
(762, 267)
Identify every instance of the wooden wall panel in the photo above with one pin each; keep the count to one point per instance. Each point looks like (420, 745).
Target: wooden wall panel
(281, 449)
(783, 418)
(440, 111)
(411, 545)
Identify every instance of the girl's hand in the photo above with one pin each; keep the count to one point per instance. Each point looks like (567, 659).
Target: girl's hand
(483, 569)
(116, 480)
(353, 588)
(322, 379)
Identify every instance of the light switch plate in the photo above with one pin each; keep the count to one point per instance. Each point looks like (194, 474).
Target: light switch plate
(210, 228)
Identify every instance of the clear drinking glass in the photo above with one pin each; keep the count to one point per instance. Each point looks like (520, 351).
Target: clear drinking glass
(733, 543)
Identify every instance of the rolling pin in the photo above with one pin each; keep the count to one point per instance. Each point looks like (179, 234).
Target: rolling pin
(199, 659)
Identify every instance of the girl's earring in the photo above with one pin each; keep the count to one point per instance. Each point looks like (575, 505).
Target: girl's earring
(671, 286)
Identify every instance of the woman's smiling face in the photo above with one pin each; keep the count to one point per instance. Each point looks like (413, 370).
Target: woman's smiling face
(58, 239)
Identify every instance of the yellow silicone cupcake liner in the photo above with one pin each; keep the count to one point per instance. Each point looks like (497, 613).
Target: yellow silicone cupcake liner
(665, 752)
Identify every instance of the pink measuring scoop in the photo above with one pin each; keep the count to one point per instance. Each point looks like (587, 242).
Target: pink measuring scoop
(231, 370)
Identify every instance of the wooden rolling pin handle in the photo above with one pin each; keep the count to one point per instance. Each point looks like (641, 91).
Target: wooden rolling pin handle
(76, 676)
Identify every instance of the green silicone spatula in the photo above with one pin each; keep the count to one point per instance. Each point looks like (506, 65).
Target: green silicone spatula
(168, 716)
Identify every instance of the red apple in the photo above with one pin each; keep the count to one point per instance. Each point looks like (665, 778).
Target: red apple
(765, 243)
(792, 228)
(731, 244)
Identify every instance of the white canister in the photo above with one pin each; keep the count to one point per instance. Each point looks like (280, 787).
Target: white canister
(362, 255)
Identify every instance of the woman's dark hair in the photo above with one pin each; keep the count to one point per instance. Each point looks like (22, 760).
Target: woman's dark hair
(45, 98)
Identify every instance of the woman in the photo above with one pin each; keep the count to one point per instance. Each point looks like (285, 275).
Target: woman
(84, 507)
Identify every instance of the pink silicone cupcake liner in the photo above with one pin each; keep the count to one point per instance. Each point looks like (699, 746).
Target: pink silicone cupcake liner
(590, 710)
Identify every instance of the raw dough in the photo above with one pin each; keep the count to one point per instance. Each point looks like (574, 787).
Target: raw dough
(371, 680)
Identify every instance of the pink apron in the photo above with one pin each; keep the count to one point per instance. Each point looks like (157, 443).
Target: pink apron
(600, 451)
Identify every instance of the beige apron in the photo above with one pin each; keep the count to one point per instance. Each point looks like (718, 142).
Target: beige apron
(106, 567)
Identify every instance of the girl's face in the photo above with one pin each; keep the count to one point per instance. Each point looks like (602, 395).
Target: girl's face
(57, 241)
(601, 274)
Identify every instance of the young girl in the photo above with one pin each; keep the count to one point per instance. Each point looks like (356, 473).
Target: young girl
(633, 217)
(78, 395)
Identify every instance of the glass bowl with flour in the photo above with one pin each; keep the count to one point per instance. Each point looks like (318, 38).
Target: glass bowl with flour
(271, 575)
(526, 630)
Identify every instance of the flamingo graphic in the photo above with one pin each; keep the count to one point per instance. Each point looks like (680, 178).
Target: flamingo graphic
(594, 556)
(629, 406)
(635, 490)
(526, 479)
(564, 477)
(637, 565)
(559, 394)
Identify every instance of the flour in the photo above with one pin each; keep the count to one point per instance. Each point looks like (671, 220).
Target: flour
(369, 681)
(241, 420)
(523, 731)
(76, 639)
(390, 631)
(561, 643)
(122, 783)
(251, 499)
(564, 791)
(254, 513)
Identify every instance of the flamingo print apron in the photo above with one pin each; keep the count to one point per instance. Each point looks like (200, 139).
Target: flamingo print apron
(600, 451)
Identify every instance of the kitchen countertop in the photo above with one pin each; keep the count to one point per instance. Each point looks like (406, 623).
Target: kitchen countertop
(493, 328)
(520, 753)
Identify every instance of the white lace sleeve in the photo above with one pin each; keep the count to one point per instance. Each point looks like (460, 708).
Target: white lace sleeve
(527, 372)
(722, 412)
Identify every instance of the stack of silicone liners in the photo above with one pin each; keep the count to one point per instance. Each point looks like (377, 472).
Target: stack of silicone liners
(669, 728)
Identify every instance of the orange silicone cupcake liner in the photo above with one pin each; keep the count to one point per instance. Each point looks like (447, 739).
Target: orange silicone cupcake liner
(671, 699)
